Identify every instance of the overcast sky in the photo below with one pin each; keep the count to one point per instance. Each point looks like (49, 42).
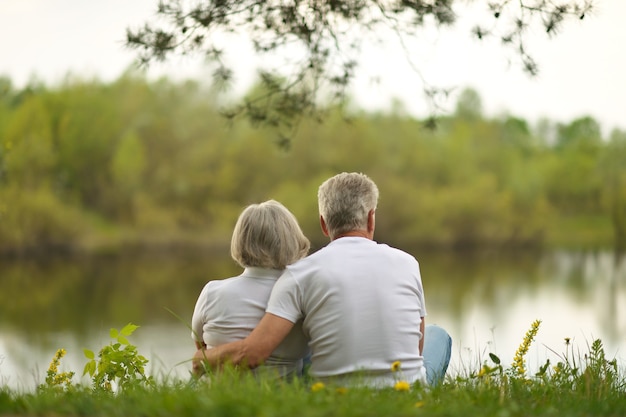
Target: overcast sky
(582, 70)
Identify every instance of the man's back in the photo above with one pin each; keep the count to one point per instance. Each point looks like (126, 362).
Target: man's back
(362, 305)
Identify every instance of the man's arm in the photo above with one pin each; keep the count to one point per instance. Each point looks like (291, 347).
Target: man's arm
(421, 342)
(251, 351)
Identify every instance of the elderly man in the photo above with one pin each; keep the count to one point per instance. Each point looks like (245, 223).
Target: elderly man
(361, 303)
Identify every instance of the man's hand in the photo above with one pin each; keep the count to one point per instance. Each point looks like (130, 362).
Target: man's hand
(213, 358)
(199, 365)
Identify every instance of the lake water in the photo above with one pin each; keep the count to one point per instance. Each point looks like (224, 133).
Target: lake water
(486, 301)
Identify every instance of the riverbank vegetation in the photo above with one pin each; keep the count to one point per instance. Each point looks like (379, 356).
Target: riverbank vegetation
(93, 166)
(585, 385)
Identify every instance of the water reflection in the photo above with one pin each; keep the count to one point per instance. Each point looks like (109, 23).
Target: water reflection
(580, 296)
(487, 302)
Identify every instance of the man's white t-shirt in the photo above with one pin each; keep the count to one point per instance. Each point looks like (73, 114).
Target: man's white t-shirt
(362, 305)
(228, 310)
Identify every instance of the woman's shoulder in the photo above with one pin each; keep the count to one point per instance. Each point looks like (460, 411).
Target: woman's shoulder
(216, 285)
(239, 284)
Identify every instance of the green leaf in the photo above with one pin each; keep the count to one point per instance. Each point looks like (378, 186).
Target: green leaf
(123, 340)
(90, 368)
(494, 358)
(113, 333)
(89, 354)
(129, 329)
(543, 369)
(86, 368)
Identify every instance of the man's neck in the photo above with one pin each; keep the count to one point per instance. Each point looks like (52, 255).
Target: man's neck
(355, 233)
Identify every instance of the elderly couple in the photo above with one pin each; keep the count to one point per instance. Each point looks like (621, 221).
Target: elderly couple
(353, 308)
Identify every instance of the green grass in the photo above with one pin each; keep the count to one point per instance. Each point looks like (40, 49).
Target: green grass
(587, 385)
(243, 396)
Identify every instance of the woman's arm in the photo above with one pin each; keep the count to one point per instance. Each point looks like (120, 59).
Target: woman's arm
(198, 318)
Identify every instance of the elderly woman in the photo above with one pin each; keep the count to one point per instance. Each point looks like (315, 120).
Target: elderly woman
(265, 240)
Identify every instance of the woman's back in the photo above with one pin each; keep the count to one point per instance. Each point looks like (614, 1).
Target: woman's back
(228, 310)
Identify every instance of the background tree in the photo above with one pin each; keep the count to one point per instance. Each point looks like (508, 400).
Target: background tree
(322, 40)
(613, 171)
(133, 162)
(572, 179)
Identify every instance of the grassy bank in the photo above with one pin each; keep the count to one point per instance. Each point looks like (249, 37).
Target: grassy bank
(245, 398)
(587, 385)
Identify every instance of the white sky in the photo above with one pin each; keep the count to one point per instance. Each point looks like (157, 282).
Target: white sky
(582, 70)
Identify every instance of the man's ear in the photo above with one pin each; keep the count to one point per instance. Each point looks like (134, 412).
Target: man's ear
(324, 227)
(371, 221)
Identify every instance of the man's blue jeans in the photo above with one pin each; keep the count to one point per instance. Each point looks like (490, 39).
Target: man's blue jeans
(437, 351)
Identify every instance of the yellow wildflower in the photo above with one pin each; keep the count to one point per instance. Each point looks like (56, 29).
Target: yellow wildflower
(402, 386)
(419, 404)
(318, 386)
(342, 390)
(54, 364)
(63, 378)
(518, 365)
(483, 371)
(558, 369)
(395, 367)
(53, 378)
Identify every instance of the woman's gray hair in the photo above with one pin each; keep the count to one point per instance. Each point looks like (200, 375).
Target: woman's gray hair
(267, 235)
(345, 200)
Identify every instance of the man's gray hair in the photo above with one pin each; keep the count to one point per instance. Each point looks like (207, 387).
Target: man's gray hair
(268, 235)
(345, 200)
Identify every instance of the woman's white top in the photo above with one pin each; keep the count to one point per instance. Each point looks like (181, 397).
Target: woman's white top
(228, 310)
